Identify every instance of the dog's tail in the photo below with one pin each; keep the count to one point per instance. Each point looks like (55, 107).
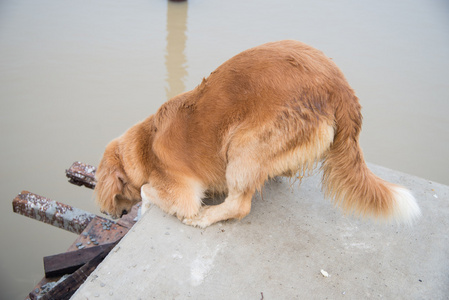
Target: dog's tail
(347, 179)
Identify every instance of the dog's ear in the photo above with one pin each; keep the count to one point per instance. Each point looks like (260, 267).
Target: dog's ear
(110, 178)
(108, 186)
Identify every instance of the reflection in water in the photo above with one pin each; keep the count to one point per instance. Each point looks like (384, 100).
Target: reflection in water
(175, 59)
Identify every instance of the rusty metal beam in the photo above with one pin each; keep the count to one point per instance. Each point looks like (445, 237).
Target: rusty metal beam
(82, 174)
(93, 230)
(51, 212)
(100, 231)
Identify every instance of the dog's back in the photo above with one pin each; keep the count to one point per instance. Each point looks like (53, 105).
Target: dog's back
(269, 101)
(276, 109)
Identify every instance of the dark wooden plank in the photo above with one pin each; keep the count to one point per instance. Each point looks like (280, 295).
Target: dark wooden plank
(69, 262)
(68, 287)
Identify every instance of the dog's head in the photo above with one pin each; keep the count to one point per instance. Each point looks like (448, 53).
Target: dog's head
(114, 192)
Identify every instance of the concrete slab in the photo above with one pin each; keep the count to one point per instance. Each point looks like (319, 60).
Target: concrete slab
(279, 250)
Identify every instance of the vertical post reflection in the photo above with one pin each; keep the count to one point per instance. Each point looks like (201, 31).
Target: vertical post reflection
(175, 59)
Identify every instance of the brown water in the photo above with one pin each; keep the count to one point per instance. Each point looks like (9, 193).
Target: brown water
(75, 74)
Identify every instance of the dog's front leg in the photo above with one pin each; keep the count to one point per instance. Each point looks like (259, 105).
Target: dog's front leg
(180, 196)
(147, 195)
(236, 206)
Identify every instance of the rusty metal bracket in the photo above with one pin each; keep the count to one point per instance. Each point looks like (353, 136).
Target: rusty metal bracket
(82, 174)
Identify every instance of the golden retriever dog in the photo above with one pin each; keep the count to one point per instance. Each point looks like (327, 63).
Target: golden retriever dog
(278, 109)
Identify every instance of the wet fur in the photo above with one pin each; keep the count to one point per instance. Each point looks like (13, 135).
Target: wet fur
(276, 109)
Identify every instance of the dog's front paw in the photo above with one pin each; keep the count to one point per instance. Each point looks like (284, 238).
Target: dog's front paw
(199, 220)
(196, 222)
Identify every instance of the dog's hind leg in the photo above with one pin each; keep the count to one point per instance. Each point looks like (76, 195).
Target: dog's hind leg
(176, 196)
(243, 177)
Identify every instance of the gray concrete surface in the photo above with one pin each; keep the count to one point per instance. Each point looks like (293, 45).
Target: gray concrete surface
(279, 250)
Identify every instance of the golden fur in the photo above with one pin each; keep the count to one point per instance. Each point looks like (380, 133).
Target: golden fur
(276, 109)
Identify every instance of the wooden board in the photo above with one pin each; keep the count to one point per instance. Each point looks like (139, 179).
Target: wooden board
(69, 262)
(68, 287)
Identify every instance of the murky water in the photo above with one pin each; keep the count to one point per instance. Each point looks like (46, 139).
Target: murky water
(75, 74)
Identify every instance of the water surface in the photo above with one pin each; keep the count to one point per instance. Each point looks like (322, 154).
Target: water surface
(74, 75)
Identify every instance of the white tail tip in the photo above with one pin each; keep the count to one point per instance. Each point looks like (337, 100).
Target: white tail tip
(405, 209)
